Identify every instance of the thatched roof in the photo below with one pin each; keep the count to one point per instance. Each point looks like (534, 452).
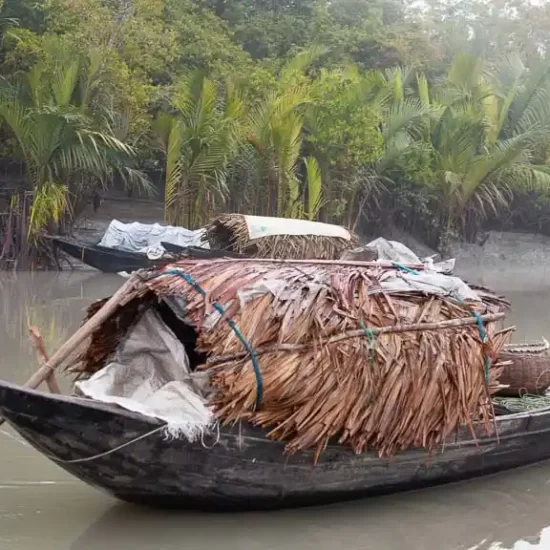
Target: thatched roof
(333, 350)
(278, 238)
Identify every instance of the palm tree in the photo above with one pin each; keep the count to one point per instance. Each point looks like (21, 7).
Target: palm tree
(490, 127)
(6, 23)
(200, 136)
(64, 135)
(481, 129)
(274, 131)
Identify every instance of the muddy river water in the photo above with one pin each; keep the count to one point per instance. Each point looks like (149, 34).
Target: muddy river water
(43, 507)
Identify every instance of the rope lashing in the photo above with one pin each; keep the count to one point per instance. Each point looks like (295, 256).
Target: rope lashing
(405, 268)
(484, 339)
(482, 335)
(371, 337)
(219, 308)
(480, 326)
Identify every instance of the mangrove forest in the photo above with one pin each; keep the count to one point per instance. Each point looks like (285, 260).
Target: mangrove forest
(431, 117)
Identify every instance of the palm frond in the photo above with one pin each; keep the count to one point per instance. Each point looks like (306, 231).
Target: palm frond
(405, 116)
(50, 202)
(314, 187)
(299, 63)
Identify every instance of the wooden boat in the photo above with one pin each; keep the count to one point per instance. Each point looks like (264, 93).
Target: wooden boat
(111, 260)
(105, 259)
(127, 455)
(198, 252)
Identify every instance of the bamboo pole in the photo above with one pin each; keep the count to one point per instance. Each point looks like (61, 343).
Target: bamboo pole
(452, 323)
(121, 296)
(386, 264)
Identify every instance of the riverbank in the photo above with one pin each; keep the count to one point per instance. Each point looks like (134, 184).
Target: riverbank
(514, 261)
(508, 261)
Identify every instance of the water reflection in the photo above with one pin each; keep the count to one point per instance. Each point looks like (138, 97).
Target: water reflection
(53, 303)
(497, 513)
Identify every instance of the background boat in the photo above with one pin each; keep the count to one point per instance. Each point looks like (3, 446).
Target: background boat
(105, 259)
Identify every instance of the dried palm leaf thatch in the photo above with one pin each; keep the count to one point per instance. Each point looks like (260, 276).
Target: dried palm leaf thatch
(231, 232)
(341, 357)
(104, 342)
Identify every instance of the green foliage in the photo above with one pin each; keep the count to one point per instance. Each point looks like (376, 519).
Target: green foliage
(64, 134)
(314, 187)
(432, 118)
(344, 117)
(199, 138)
(50, 203)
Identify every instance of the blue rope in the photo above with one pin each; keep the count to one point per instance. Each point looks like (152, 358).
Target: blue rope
(480, 326)
(259, 381)
(404, 268)
(371, 336)
(482, 335)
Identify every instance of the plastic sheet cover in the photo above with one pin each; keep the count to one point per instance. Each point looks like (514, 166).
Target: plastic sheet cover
(395, 251)
(260, 226)
(150, 374)
(142, 237)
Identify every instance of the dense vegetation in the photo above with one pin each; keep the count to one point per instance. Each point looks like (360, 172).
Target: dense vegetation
(361, 112)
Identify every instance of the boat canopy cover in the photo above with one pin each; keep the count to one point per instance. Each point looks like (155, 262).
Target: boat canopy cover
(143, 237)
(395, 251)
(262, 226)
(150, 374)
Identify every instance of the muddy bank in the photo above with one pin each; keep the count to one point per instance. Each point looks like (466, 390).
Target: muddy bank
(511, 261)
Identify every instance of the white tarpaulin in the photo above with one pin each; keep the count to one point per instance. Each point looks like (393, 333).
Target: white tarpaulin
(433, 279)
(143, 237)
(394, 251)
(259, 226)
(429, 282)
(150, 374)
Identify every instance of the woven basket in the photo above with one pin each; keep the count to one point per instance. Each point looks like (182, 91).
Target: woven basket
(528, 370)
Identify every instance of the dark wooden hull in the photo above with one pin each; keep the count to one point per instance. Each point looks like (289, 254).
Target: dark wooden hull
(197, 252)
(110, 260)
(105, 259)
(243, 469)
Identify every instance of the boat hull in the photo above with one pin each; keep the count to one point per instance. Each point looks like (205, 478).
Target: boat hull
(198, 252)
(110, 260)
(239, 468)
(105, 259)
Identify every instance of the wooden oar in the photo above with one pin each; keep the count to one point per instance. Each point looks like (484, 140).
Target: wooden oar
(42, 357)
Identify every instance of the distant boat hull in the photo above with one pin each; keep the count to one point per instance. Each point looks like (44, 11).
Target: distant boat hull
(111, 260)
(198, 252)
(241, 469)
(105, 259)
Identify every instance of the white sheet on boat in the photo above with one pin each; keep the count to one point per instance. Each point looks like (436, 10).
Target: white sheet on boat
(260, 226)
(429, 282)
(143, 237)
(395, 251)
(150, 375)
(433, 279)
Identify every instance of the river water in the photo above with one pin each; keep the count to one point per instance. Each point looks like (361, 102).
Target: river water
(42, 506)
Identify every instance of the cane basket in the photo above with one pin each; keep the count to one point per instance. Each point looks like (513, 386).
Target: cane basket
(527, 370)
